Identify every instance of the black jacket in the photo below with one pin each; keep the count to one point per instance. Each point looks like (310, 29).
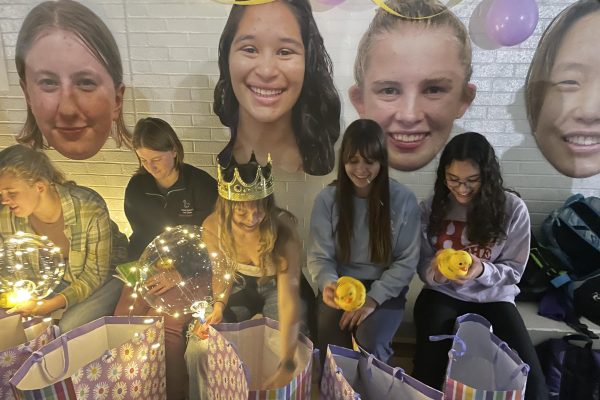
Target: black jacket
(188, 202)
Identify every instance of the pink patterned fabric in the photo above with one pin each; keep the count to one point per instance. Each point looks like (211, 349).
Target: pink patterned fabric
(231, 381)
(333, 384)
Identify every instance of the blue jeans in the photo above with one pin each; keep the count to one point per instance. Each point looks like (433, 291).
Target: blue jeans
(101, 303)
(257, 298)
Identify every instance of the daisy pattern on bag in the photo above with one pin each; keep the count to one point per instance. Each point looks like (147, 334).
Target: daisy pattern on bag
(76, 377)
(94, 371)
(145, 371)
(135, 389)
(119, 392)
(142, 354)
(114, 372)
(126, 352)
(151, 336)
(83, 391)
(8, 358)
(131, 370)
(101, 391)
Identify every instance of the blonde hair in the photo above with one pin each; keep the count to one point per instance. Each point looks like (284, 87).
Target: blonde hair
(420, 13)
(30, 165)
(273, 234)
(76, 18)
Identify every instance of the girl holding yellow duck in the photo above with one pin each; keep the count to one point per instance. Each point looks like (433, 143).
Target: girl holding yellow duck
(366, 226)
(471, 210)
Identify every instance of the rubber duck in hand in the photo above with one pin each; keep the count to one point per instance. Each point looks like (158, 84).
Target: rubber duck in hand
(453, 264)
(350, 293)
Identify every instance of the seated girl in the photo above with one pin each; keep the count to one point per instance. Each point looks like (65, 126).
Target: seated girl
(164, 192)
(364, 225)
(261, 239)
(37, 199)
(471, 210)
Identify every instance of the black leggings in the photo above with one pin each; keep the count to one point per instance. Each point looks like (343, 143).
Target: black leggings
(435, 314)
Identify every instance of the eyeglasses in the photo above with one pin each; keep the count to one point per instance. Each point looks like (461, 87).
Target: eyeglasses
(469, 183)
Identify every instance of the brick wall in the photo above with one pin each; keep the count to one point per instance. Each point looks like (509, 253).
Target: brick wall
(169, 50)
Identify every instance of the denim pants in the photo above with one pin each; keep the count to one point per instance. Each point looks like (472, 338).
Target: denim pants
(100, 304)
(246, 299)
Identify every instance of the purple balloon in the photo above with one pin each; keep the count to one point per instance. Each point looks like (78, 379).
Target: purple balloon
(510, 22)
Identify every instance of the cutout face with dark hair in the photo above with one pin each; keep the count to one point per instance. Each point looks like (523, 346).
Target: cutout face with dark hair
(568, 125)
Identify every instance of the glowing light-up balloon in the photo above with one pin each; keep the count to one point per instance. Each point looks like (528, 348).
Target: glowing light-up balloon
(31, 267)
(510, 22)
(178, 275)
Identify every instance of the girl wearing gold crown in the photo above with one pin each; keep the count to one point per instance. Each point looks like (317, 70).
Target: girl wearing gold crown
(261, 239)
(364, 225)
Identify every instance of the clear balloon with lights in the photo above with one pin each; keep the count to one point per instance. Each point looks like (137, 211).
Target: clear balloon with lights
(31, 267)
(177, 274)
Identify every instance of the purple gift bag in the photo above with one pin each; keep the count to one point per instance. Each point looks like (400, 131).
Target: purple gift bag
(109, 358)
(18, 340)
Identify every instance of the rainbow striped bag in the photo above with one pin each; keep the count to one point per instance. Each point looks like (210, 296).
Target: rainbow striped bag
(241, 356)
(480, 365)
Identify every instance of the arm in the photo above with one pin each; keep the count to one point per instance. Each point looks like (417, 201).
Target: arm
(405, 252)
(288, 302)
(322, 265)
(508, 267)
(95, 268)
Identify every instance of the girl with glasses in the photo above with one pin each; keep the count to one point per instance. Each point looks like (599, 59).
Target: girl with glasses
(471, 210)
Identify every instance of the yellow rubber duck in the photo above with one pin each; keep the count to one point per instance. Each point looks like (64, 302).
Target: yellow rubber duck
(350, 293)
(453, 264)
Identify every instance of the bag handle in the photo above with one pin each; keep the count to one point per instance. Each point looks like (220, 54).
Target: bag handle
(28, 349)
(38, 357)
(461, 343)
(522, 368)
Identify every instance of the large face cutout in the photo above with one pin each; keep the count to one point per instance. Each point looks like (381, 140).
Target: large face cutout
(71, 95)
(414, 87)
(568, 127)
(266, 63)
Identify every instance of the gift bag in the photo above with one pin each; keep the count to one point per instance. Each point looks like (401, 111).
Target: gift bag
(480, 365)
(109, 358)
(349, 375)
(18, 340)
(243, 355)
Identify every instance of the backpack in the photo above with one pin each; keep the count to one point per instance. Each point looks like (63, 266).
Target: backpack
(572, 233)
(570, 238)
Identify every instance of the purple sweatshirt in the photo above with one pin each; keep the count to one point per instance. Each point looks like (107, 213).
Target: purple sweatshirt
(503, 262)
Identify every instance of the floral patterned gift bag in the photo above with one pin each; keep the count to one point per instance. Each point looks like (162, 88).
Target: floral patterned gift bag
(112, 358)
(18, 340)
(242, 355)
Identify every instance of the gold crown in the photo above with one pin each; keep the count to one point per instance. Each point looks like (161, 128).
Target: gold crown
(239, 190)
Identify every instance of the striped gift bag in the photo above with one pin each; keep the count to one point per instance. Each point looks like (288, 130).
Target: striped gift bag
(480, 365)
(241, 356)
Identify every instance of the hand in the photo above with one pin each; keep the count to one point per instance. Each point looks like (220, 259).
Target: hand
(475, 271)
(438, 277)
(351, 319)
(32, 307)
(216, 316)
(329, 295)
(161, 282)
(280, 378)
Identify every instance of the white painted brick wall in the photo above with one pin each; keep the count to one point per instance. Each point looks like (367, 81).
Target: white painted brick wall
(169, 51)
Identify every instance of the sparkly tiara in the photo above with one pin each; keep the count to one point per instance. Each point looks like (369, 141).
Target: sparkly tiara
(239, 190)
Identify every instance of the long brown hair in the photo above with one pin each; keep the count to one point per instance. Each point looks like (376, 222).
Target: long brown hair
(365, 137)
